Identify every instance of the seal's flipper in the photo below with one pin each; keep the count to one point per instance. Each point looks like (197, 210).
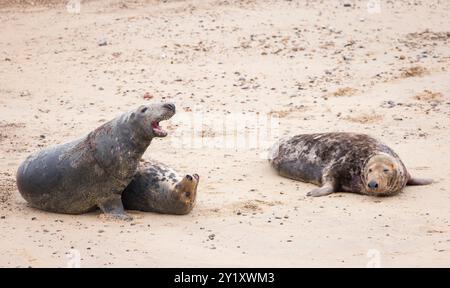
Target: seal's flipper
(113, 208)
(322, 191)
(418, 181)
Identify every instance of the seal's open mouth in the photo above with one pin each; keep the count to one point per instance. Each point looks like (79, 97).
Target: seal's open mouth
(166, 113)
(157, 130)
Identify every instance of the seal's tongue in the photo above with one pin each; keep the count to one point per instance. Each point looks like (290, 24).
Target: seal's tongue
(158, 130)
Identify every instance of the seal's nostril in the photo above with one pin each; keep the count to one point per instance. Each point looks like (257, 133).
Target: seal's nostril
(189, 177)
(372, 184)
(169, 106)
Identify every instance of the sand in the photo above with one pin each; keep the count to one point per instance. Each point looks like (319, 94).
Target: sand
(311, 66)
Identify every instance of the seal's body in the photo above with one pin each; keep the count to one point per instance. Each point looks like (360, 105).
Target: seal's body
(345, 162)
(91, 172)
(158, 188)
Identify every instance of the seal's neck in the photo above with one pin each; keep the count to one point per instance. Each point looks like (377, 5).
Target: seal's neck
(132, 137)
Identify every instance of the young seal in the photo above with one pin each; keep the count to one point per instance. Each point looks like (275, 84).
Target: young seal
(345, 162)
(158, 188)
(90, 172)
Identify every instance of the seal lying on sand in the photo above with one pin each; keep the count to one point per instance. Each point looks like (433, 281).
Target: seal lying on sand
(91, 172)
(158, 188)
(345, 162)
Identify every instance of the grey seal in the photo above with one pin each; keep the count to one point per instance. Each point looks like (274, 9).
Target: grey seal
(92, 171)
(342, 162)
(158, 188)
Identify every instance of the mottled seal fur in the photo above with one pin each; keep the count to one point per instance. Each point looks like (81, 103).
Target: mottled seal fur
(342, 162)
(158, 188)
(90, 172)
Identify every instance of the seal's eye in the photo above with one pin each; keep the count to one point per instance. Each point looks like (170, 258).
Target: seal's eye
(187, 194)
(385, 170)
(144, 109)
(370, 170)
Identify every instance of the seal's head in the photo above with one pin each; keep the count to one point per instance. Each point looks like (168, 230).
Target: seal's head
(149, 116)
(186, 192)
(383, 175)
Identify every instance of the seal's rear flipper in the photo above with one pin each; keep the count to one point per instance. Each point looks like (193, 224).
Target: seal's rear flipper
(418, 181)
(113, 208)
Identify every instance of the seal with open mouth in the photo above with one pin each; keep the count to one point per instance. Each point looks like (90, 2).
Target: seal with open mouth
(158, 188)
(93, 171)
(342, 162)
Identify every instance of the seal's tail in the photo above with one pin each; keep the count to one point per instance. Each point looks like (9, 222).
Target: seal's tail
(273, 151)
(273, 154)
(418, 182)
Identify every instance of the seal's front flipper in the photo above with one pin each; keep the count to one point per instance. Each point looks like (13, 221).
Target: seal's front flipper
(418, 182)
(322, 191)
(113, 208)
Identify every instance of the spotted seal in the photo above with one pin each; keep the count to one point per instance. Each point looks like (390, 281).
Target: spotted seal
(345, 162)
(92, 171)
(158, 188)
